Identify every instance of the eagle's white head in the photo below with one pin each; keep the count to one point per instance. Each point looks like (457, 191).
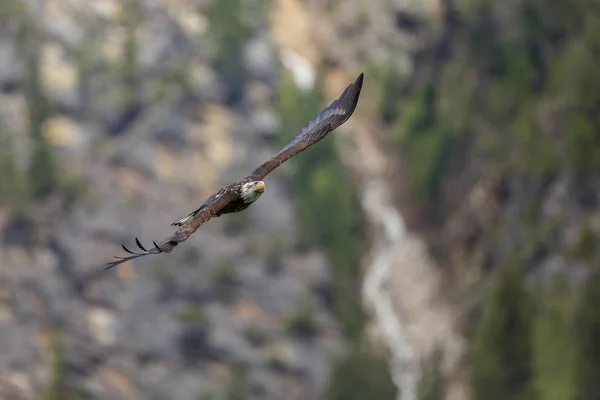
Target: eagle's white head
(251, 191)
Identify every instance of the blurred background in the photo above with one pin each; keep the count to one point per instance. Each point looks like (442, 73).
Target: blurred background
(442, 244)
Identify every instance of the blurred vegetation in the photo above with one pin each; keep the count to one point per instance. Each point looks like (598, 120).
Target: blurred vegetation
(565, 340)
(13, 181)
(228, 30)
(301, 322)
(330, 218)
(502, 348)
(587, 346)
(237, 383)
(513, 87)
(61, 386)
(43, 175)
(585, 247)
(553, 340)
(327, 209)
(231, 24)
(131, 17)
(432, 385)
(539, 342)
(515, 90)
(192, 314)
(361, 375)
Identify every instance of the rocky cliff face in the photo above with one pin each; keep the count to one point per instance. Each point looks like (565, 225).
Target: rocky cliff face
(144, 119)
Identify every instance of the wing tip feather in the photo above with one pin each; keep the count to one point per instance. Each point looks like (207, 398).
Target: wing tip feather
(359, 80)
(137, 241)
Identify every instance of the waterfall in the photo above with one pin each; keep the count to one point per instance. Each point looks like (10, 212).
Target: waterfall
(376, 204)
(402, 287)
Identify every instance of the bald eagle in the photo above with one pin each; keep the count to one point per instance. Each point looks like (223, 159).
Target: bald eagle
(239, 195)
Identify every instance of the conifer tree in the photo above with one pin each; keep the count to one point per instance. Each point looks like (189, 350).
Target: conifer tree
(587, 341)
(432, 385)
(502, 351)
(362, 374)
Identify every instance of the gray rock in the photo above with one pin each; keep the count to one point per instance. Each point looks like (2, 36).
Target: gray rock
(123, 330)
(259, 58)
(11, 66)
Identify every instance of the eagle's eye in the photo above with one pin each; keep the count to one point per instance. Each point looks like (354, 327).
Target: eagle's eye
(259, 186)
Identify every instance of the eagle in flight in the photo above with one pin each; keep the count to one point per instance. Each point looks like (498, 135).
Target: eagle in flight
(239, 195)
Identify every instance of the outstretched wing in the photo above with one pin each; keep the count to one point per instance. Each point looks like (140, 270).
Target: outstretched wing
(186, 229)
(326, 121)
(208, 201)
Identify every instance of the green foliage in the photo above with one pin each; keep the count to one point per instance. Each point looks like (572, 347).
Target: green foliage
(516, 90)
(228, 29)
(61, 387)
(553, 341)
(129, 69)
(237, 384)
(433, 125)
(230, 25)
(14, 185)
(327, 209)
(427, 145)
(502, 350)
(392, 90)
(574, 79)
(585, 246)
(587, 345)
(13, 10)
(43, 174)
(361, 374)
(192, 314)
(301, 322)
(433, 383)
(523, 98)
(330, 218)
(86, 59)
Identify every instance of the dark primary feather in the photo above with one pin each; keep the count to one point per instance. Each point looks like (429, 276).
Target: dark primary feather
(164, 247)
(185, 231)
(316, 129)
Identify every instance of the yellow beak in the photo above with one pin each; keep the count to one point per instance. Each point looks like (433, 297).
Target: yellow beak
(260, 186)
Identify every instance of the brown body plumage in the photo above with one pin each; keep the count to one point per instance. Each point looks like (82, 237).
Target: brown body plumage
(240, 195)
